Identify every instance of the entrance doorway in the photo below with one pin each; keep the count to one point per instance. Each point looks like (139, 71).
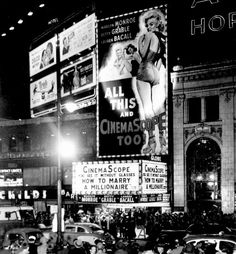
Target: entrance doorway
(203, 167)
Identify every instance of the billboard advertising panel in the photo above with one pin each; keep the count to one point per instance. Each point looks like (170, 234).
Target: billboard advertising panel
(42, 57)
(11, 177)
(77, 38)
(79, 76)
(132, 90)
(43, 90)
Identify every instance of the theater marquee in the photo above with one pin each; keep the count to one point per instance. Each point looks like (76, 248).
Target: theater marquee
(119, 182)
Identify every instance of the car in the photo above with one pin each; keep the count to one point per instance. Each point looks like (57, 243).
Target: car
(195, 228)
(86, 231)
(208, 228)
(221, 243)
(22, 235)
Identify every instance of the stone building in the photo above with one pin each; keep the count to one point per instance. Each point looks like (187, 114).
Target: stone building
(204, 136)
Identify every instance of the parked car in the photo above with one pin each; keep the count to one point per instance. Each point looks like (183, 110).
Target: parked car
(221, 243)
(196, 228)
(88, 232)
(22, 235)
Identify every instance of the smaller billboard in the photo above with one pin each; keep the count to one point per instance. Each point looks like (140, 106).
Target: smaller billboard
(154, 177)
(77, 38)
(43, 90)
(78, 77)
(42, 57)
(11, 177)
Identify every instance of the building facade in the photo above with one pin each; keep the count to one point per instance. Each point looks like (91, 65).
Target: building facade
(204, 136)
(29, 147)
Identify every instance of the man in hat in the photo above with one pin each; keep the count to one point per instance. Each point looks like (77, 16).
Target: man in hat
(78, 247)
(32, 245)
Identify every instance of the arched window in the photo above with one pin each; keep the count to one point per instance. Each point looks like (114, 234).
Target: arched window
(203, 170)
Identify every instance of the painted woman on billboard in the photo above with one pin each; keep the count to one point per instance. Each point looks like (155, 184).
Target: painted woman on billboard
(132, 83)
(151, 80)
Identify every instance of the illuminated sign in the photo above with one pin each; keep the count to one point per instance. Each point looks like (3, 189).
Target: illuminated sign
(154, 177)
(105, 178)
(11, 177)
(203, 31)
(116, 181)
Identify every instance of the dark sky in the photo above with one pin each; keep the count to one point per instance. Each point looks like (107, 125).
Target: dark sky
(199, 48)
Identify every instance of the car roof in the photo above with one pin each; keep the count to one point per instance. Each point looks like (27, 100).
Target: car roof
(88, 224)
(25, 230)
(210, 236)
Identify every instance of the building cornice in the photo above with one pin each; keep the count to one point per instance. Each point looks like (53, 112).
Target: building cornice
(204, 72)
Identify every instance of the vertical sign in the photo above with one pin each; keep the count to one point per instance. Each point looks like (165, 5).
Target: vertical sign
(132, 89)
(154, 177)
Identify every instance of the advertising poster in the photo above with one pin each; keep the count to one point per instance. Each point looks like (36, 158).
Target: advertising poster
(132, 89)
(43, 56)
(77, 38)
(79, 76)
(154, 177)
(11, 177)
(105, 178)
(43, 90)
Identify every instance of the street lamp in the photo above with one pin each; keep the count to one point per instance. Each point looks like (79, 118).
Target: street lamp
(59, 144)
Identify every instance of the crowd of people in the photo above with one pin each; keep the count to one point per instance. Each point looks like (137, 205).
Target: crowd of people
(125, 227)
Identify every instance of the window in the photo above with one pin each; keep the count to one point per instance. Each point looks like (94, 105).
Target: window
(0, 145)
(26, 143)
(12, 144)
(70, 228)
(79, 229)
(194, 110)
(212, 108)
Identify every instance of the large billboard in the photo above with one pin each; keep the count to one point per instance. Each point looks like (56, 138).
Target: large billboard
(132, 88)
